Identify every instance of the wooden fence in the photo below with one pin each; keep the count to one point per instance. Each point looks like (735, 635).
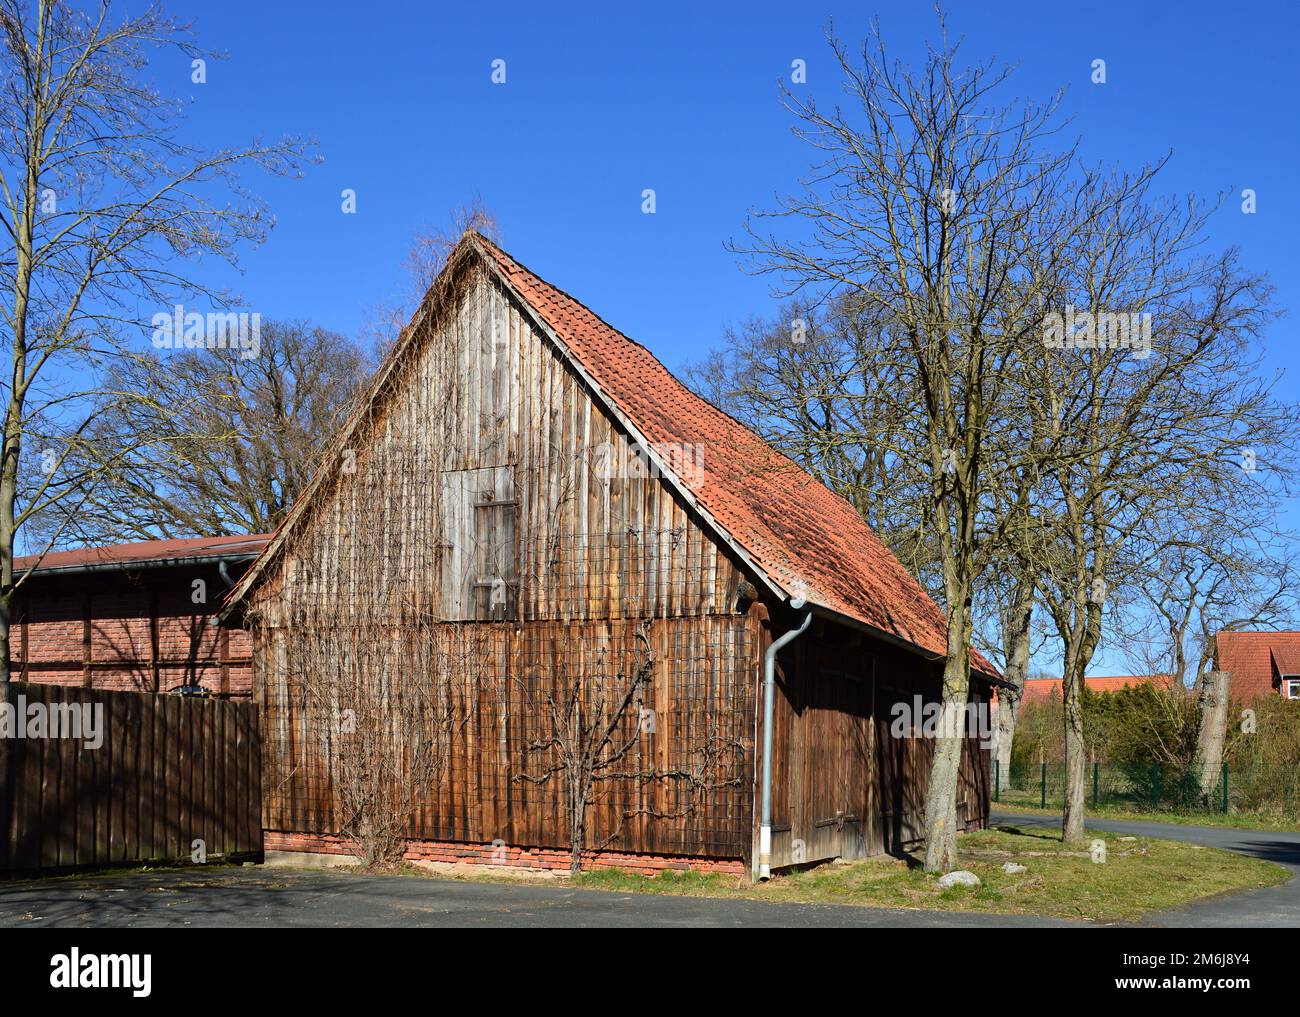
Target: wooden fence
(95, 778)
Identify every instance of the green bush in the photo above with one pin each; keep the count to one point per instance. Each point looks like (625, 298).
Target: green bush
(1131, 730)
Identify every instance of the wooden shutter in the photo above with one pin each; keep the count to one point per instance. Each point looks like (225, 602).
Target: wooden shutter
(480, 574)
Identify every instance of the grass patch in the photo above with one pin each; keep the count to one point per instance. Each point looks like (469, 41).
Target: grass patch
(1230, 820)
(1139, 875)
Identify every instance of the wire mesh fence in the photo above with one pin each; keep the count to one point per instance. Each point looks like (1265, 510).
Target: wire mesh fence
(1156, 787)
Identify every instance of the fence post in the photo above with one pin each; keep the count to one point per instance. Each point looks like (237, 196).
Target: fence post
(997, 778)
(1095, 784)
(1225, 788)
(1044, 803)
(1155, 785)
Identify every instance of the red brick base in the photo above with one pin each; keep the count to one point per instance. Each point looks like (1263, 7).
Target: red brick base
(518, 857)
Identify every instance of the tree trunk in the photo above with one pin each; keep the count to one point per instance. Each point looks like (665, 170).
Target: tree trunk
(577, 839)
(1016, 643)
(1076, 762)
(14, 411)
(1081, 637)
(1076, 752)
(8, 490)
(579, 788)
(1004, 734)
(941, 796)
(1213, 729)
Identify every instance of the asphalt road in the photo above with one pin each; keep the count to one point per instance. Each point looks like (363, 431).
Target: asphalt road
(254, 896)
(258, 897)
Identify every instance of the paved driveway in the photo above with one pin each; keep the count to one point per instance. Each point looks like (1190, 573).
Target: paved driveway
(251, 897)
(1270, 907)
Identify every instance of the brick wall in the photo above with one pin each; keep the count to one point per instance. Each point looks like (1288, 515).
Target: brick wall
(517, 857)
(137, 631)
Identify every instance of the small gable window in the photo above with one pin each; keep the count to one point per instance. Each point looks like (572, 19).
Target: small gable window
(480, 551)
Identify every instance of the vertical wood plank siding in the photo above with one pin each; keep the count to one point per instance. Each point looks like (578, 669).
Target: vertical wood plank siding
(845, 784)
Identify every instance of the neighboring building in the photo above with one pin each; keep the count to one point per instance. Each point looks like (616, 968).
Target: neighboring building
(1259, 663)
(528, 503)
(134, 617)
(1038, 690)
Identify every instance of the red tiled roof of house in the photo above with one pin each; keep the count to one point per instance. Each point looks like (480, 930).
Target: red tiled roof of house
(806, 539)
(1256, 660)
(151, 552)
(1286, 659)
(1045, 688)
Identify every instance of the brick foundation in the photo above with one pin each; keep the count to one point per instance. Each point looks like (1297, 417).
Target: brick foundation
(518, 857)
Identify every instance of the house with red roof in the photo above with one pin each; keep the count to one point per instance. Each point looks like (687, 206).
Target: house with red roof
(1041, 689)
(1259, 663)
(134, 617)
(637, 632)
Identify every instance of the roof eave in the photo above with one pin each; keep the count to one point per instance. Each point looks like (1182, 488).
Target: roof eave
(131, 565)
(896, 640)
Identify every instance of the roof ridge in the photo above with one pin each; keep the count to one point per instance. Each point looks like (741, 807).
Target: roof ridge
(565, 293)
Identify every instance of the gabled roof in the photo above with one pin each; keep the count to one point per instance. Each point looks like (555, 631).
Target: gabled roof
(1044, 688)
(799, 537)
(1256, 660)
(145, 554)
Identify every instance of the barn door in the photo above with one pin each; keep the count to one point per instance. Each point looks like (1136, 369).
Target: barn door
(827, 757)
(480, 549)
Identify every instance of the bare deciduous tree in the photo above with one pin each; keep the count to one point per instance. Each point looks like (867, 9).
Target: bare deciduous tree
(101, 205)
(963, 232)
(594, 722)
(1141, 431)
(231, 442)
(597, 737)
(924, 207)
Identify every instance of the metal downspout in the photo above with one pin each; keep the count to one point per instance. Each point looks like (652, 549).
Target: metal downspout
(769, 713)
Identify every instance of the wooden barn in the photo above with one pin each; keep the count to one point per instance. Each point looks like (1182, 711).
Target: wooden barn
(523, 609)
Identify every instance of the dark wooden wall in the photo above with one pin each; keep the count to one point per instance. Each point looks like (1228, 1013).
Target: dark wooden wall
(843, 784)
(701, 694)
(493, 510)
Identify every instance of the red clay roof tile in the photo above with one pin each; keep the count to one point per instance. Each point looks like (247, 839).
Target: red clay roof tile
(1044, 688)
(1256, 660)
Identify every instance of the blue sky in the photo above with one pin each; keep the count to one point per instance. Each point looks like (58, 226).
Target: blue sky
(605, 100)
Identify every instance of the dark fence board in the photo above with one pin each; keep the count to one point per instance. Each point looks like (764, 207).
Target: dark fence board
(169, 771)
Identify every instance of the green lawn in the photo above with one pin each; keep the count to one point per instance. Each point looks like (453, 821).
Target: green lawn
(1138, 876)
